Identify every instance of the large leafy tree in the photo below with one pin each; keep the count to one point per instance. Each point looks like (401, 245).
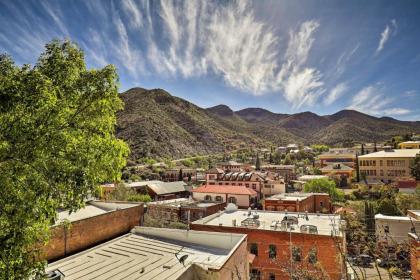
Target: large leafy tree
(415, 167)
(324, 186)
(57, 143)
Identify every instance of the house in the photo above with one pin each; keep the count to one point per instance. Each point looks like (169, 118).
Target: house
(291, 147)
(393, 230)
(285, 171)
(233, 166)
(387, 166)
(409, 145)
(338, 156)
(160, 253)
(239, 195)
(283, 243)
(96, 222)
(264, 183)
(159, 190)
(299, 202)
(338, 170)
(281, 150)
(307, 149)
(183, 209)
(172, 175)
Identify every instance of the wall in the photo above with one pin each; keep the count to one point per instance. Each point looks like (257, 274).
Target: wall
(311, 204)
(385, 168)
(415, 256)
(398, 229)
(241, 200)
(328, 253)
(88, 232)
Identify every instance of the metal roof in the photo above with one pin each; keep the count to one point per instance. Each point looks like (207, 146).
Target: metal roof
(150, 253)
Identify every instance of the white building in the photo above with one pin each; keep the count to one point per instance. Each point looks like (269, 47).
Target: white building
(393, 230)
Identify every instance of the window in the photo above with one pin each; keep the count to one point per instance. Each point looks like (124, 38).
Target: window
(207, 198)
(255, 274)
(296, 254)
(312, 256)
(253, 249)
(271, 276)
(232, 200)
(272, 251)
(219, 198)
(321, 204)
(254, 186)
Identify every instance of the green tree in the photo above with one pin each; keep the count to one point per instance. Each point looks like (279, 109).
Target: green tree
(57, 143)
(415, 167)
(324, 186)
(258, 163)
(180, 175)
(388, 206)
(369, 218)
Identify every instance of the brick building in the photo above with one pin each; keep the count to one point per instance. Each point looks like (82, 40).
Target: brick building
(177, 210)
(264, 183)
(233, 166)
(299, 202)
(284, 244)
(414, 240)
(172, 175)
(95, 223)
(285, 171)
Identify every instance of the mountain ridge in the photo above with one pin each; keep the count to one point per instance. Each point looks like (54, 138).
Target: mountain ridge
(156, 124)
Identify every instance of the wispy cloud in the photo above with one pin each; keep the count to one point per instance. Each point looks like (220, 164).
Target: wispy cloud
(301, 85)
(335, 93)
(385, 35)
(371, 101)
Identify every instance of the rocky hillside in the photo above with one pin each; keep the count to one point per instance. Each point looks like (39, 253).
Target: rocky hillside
(157, 124)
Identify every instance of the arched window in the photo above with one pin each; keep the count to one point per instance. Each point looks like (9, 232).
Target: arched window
(232, 200)
(219, 198)
(207, 198)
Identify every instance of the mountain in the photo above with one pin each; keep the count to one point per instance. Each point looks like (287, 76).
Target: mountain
(157, 124)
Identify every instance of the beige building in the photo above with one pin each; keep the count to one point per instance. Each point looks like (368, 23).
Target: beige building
(338, 156)
(239, 195)
(387, 165)
(409, 145)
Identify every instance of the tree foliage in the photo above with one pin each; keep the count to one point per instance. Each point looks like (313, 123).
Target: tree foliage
(324, 186)
(415, 167)
(57, 144)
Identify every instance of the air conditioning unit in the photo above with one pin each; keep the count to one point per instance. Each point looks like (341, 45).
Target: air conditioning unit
(55, 275)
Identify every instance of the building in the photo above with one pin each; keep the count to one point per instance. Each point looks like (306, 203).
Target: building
(338, 156)
(281, 150)
(159, 253)
(299, 202)
(387, 166)
(285, 171)
(172, 175)
(98, 221)
(392, 230)
(409, 145)
(239, 195)
(183, 209)
(338, 170)
(282, 244)
(264, 183)
(233, 166)
(414, 240)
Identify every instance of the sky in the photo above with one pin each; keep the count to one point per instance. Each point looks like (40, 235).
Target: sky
(285, 56)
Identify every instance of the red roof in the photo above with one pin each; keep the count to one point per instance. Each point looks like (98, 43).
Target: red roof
(225, 189)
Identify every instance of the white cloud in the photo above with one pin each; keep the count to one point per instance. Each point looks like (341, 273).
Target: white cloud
(385, 35)
(371, 101)
(335, 93)
(301, 85)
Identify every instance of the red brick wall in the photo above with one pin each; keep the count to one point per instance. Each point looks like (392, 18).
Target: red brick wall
(328, 253)
(86, 233)
(310, 204)
(415, 258)
(237, 264)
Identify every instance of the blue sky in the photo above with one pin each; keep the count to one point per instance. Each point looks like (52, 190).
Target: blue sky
(285, 56)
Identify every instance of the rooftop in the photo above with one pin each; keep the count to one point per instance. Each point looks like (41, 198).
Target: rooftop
(410, 142)
(160, 187)
(151, 253)
(92, 209)
(395, 218)
(293, 196)
(225, 189)
(397, 153)
(312, 177)
(183, 202)
(326, 224)
(333, 167)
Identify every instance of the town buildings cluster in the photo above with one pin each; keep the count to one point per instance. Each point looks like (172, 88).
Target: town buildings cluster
(240, 221)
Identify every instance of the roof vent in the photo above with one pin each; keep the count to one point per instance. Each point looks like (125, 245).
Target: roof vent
(55, 275)
(230, 208)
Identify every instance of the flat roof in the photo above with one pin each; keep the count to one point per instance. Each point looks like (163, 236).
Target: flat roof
(293, 196)
(311, 177)
(395, 218)
(325, 223)
(92, 209)
(410, 142)
(393, 153)
(151, 253)
(178, 202)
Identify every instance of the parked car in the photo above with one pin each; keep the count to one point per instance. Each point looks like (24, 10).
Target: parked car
(363, 260)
